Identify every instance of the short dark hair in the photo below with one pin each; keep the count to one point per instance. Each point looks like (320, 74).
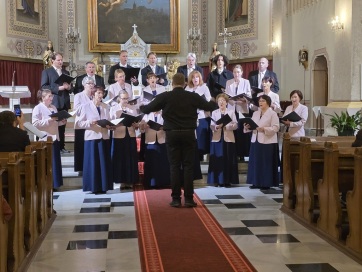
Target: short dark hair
(55, 54)
(7, 118)
(225, 58)
(266, 98)
(178, 79)
(268, 79)
(299, 93)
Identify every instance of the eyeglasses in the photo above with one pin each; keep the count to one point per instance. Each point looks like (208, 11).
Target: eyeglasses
(124, 98)
(90, 83)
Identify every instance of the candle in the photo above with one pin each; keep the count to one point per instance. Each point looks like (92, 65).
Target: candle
(104, 69)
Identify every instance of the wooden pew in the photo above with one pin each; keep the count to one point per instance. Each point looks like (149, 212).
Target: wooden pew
(12, 182)
(41, 181)
(354, 204)
(337, 179)
(3, 228)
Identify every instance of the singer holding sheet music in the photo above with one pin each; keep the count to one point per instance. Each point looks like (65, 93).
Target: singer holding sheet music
(264, 150)
(42, 121)
(223, 164)
(120, 85)
(195, 84)
(152, 67)
(216, 80)
(97, 167)
(124, 145)
(61, 93)
(296, 129)
(123, 57)
(237, 86)
(80, 99)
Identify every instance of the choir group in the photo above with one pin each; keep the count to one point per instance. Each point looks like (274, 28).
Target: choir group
(106, 130)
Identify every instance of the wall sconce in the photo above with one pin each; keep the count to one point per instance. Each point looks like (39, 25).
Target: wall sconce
(273, 46)
(336, 24)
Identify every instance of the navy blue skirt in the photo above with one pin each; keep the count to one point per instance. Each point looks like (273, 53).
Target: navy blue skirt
(56, 165)
(125, 160)
(203, 136)
(78, 149)
(97, 168)
(263, 165)
(223, 164)
(157, 167)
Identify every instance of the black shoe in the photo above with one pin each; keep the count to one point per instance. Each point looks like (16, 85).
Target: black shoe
(254, 187)
(190, 203)
(176, 203)
(227, 185)
(264, 188)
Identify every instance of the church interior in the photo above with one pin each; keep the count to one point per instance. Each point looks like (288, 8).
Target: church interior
(310, 222)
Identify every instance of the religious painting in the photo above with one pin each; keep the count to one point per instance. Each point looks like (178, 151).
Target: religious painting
(28, 18)
(112, 22)
(239, 17)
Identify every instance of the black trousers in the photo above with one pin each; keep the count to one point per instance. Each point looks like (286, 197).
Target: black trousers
(61, 130)
(181, 147)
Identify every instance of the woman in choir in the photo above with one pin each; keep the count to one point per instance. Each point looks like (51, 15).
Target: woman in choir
(42, 121)
(223, 165)
(79, 99)
(296, 129)
(266, 84)
(195, 84)
(124, 146)
(216, 80)
(97, 168)
(120, 85)
(156, 168)
(264, 151)
(237, 86)
(152, 88)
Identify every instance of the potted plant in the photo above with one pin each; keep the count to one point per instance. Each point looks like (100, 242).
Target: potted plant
(346, 124)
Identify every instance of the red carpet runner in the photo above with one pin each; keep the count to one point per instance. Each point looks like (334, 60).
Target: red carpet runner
(183, 239)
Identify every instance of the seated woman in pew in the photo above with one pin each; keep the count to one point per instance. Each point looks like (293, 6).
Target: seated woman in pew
(12, 138)
(264, 151)
(296, 129)
(42, 121)
(358, 141)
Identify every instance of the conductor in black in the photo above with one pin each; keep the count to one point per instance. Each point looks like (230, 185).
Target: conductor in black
(179, 111)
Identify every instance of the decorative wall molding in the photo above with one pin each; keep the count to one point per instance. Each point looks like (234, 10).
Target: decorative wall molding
(294, 6)
(61, 26)
(204, 26)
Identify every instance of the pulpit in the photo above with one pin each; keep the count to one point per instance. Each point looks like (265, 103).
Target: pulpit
(14, 93)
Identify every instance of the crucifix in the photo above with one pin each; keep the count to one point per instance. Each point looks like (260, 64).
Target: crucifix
(225, 34)
(134, 28)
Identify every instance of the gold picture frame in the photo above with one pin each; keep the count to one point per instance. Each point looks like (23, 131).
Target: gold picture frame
(101, 38)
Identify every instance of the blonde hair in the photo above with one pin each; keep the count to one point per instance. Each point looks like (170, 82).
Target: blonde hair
(191, 75)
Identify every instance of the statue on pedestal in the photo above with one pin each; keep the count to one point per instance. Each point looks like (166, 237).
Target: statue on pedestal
(47, 56)
(214, 53)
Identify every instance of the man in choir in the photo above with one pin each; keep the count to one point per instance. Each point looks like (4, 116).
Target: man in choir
(61, 93)
(179, 111)
(90, 69)
(256, 77)
(189, 66)
(123, 57)
(154, 68)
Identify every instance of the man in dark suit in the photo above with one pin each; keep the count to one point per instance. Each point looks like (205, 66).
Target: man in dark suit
(90, 69)
(152, 67)
(61, 99)
(123, 57)
(255, 77)
(12, 138)
(179, 111)
(190, 66)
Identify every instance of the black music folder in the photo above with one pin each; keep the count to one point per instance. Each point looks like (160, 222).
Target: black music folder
(220, 86)
(61, 115)
(257, 90)
(292, 117)
(153, 125)
(250, 122)
(131, 72)
(148, 96)
(104, 122)
(130, 119)
(64, 78)
(114, 99)
(133, 101)
(162, 75)
(226, 119)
